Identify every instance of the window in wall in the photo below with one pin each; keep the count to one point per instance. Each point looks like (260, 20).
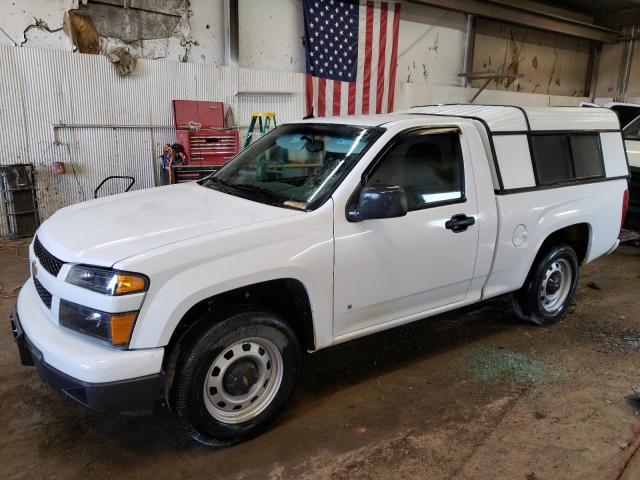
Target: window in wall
(427, 165)
(565, 157)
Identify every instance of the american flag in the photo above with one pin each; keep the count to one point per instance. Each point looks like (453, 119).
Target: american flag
(351, 53)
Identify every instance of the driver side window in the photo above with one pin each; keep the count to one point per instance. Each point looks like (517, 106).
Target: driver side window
(427, 165)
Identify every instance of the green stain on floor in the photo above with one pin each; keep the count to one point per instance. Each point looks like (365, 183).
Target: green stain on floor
(488, 363)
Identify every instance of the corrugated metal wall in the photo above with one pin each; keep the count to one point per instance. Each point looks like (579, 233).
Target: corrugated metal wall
(40, 88)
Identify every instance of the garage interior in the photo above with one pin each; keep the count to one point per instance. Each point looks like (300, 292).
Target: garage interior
(94, 92)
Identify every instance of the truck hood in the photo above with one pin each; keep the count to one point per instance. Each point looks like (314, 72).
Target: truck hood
(105, 231)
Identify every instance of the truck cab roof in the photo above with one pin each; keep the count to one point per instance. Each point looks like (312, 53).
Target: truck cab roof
(496, 118)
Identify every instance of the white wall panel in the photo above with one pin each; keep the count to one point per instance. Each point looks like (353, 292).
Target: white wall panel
(430, 45)
(270, 35)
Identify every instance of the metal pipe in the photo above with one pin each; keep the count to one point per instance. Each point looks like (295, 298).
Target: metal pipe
(469, 45)
(591, 82)
(58, 126)
(263, 93)
(625, 67)
(231, 32)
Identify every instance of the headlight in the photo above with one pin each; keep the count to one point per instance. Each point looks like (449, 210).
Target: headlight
(108, 282)
(113, 328)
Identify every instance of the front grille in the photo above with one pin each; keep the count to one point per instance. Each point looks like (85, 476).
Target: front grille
(50, 263)
(44, 294)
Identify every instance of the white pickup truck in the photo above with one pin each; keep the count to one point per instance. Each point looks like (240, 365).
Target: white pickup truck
(322, 231)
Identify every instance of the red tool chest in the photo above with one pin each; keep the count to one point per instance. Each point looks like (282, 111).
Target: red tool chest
(209, 147)
(195, 114)
(200, 130)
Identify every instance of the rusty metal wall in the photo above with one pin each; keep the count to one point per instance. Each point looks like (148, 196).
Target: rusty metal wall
(550, 63)
(39, 88)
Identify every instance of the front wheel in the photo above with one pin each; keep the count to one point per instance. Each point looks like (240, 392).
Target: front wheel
(231, 376)
(549, 288)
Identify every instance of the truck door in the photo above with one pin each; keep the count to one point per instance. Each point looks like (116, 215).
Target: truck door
(387, 269)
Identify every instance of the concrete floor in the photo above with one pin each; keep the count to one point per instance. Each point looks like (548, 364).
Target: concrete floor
(468, 395)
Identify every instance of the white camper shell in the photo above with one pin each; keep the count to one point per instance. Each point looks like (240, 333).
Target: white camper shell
(521, 139)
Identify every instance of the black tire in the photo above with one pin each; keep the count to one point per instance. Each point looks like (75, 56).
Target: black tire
(191, 362)
(528, 303)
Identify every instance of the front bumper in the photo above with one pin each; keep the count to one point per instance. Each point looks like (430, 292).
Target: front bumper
(137, 395)
(101, 378)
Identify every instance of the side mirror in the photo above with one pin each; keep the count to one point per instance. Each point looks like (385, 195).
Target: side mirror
(379, 202)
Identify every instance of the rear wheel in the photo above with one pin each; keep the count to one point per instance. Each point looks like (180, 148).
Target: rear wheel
(231, 376)
(549, 288)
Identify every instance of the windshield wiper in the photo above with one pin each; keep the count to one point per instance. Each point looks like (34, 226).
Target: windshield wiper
(221, 184)
(264, 194)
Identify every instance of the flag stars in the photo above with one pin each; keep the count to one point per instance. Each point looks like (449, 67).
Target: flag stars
(332, 29)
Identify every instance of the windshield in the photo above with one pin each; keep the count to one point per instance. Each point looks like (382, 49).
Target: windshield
(295, 166)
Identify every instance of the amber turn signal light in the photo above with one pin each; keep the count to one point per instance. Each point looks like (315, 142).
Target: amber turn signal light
(121, 326)
(127, 283)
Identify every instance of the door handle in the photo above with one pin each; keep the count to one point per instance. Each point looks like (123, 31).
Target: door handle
(459, 223)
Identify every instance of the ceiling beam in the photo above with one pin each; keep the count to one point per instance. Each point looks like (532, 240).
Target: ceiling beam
(528, 18)
(622, 18)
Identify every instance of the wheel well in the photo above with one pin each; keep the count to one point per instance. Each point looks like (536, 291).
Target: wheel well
(576, 236)
(286, 296)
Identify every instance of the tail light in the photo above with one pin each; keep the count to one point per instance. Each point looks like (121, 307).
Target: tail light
(625, 207)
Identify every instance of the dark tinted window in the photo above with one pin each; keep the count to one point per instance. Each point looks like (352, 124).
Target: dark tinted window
(586, 156)
(427, 165)
(626, 113)
(552, 155)
(632, 130)
(564, 157)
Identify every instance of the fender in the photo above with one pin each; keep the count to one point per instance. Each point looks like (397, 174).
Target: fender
(196, 269)
(544, 212)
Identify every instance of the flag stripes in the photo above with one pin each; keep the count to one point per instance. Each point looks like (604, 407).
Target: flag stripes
(376, 52)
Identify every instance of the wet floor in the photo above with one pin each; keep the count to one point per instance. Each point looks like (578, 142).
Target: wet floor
(472, 394)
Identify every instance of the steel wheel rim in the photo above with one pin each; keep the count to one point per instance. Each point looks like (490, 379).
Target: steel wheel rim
(556, 285)
(228, 406)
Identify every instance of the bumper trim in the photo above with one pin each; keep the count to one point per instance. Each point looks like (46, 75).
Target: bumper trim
(134, 396)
